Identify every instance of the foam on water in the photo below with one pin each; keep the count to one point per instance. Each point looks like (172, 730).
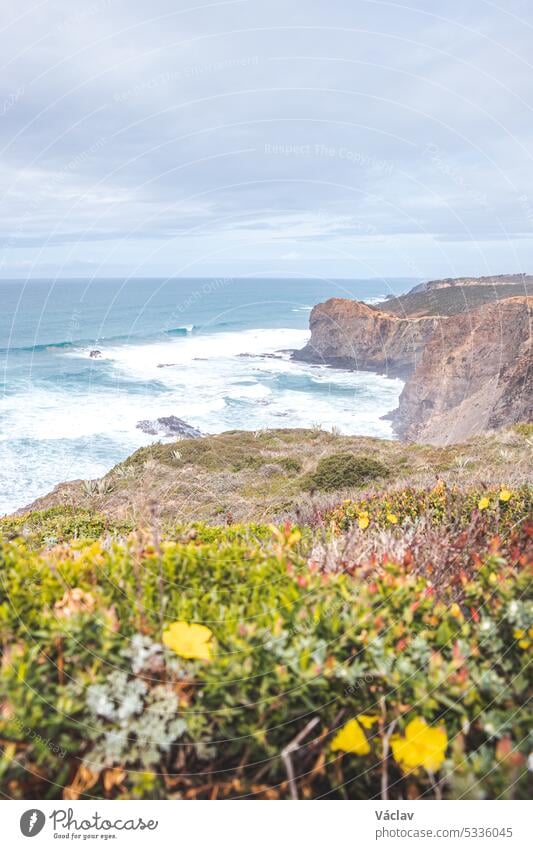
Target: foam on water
(217, 382)
(374, 301)
(66, 415)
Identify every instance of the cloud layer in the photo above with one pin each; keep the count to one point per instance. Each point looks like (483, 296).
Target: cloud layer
(351, 138)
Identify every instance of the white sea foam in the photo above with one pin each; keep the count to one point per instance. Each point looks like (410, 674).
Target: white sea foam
(142, 360)
(372, 301)
(216, 382)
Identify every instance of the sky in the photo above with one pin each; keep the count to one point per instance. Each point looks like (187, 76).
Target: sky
(298, 138)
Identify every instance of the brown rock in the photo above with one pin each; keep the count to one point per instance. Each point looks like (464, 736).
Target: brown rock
(350, 334)
(474, 375)
(466, 372)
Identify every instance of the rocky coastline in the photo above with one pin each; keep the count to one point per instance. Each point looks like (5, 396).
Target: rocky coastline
(466, 371)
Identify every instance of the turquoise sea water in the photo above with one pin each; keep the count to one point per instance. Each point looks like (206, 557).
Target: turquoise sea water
(200, 349)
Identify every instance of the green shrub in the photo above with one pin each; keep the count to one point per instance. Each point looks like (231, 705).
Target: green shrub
(447, 506)
(94, 705)
(524, 429)
(339, 471)
(290, 464)
(246, 461)
(60, 524)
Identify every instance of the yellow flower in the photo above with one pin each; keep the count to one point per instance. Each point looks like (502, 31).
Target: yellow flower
(364, 522)
(524, 644)
(519, 633)
(392, 518)
(483, 503)
(504, 495)
(422, 745)
(189, 641)
(351, 738)
(367, 721)
(455, 611)
(294, 537)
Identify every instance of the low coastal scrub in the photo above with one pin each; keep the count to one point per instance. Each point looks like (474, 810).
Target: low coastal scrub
(342, 471)
(60, 524)
(275, 475)
(274, 661)
(493, 509)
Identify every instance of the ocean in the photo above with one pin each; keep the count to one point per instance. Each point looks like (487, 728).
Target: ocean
(210, 351)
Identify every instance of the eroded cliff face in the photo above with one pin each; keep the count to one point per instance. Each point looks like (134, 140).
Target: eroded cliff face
(464, 373)
(475, 374)
(350, 334)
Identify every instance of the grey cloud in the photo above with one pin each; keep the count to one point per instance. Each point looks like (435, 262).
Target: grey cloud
(232, 129)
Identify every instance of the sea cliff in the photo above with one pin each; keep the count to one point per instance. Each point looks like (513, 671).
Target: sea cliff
(350, 334)
(473, 376)
(466, 371)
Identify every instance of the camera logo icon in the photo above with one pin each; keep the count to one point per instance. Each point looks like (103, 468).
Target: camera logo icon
(32, 822)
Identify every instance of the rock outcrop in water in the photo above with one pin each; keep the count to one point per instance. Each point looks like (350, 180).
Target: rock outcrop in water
(465, 373)
(169, 426)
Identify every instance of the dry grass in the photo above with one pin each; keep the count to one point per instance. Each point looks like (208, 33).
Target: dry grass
(247, 476)
(452, 300)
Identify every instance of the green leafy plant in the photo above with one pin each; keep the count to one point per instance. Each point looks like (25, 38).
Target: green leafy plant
(339, 471)
(187, 663)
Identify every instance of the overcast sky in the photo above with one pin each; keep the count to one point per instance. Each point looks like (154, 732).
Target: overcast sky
(337, 138)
